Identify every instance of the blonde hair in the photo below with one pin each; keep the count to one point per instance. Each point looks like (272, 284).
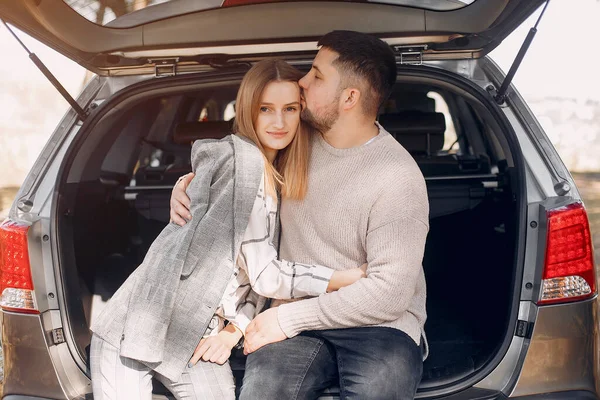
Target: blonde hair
(289, 171)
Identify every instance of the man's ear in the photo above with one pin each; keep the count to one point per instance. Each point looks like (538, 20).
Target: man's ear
(350, 98)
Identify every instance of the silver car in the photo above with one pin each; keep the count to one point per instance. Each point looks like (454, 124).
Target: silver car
(508, 262)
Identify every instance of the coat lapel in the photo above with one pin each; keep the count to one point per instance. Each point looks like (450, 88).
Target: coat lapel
(249, 169)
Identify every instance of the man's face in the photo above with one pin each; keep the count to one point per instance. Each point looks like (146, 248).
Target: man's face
(321, 91)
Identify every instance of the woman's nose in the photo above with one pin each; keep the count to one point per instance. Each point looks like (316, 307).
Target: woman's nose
(278, 122)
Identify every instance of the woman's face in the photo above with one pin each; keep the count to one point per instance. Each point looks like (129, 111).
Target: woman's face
(278, 116)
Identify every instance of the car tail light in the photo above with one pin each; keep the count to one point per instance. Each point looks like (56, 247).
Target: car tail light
(16, 286)
(569, 265)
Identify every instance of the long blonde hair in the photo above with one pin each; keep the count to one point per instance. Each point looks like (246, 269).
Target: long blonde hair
(289, 171)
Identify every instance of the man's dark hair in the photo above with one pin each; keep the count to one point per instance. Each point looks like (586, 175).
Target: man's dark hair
(366, 57)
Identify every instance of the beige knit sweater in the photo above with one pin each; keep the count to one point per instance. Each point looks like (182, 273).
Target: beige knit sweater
(364, 204)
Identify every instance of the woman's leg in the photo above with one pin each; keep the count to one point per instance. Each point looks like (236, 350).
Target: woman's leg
(204, 381)
(115, 377)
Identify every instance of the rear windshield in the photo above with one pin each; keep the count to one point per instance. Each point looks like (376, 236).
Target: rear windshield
(127, 13)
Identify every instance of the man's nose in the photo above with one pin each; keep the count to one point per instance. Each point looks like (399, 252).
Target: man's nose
(302, 82)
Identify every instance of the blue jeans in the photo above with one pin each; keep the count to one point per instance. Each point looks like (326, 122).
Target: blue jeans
(366, 363)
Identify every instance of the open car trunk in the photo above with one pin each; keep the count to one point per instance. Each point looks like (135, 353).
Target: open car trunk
(117, 180)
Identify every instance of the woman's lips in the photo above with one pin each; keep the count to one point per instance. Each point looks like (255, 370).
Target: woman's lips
(277, 134)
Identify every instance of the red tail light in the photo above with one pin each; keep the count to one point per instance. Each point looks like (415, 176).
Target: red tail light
(569, 265)
(16, 285)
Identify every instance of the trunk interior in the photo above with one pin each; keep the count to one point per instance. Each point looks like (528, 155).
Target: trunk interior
(115, 201)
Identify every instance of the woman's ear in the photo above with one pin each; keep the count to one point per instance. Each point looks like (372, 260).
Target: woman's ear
(350, 98)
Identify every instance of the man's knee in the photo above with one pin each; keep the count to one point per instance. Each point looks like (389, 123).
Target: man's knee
(379, 384)
(388, 366)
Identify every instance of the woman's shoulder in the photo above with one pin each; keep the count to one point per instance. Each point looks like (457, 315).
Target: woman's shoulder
(223, 150)
(211, 151)
(228, 144)
(213, 147)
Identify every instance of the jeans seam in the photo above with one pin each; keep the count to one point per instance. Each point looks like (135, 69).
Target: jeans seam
(303, 375)
(340, 364)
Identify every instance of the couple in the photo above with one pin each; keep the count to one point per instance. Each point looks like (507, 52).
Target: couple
(350, 195)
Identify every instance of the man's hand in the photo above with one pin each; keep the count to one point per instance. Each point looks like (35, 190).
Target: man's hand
(180, 202)
(263, 329)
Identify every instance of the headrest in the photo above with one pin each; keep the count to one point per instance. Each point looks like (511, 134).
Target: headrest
(187, 132)
(418, 132)
(413, 100)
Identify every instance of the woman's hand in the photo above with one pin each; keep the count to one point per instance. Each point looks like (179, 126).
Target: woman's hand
(217, 349)
(180, 202)
(340, 279)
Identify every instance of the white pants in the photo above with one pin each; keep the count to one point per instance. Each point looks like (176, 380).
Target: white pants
(120, 378)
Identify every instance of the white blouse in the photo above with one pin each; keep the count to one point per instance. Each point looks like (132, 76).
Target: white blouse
(258, 272)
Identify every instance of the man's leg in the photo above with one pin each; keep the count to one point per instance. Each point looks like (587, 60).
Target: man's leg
(376, 363)
(298, 368)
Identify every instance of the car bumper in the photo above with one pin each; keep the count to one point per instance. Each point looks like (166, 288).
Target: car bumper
(570, 395)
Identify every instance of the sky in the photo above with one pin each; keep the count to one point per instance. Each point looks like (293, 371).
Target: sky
(561, 62)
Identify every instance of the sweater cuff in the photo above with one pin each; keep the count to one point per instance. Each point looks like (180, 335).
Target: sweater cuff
(299, 316)
(320, 281)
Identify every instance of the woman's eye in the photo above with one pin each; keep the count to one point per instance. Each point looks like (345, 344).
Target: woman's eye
(291, 109)
(264, 109)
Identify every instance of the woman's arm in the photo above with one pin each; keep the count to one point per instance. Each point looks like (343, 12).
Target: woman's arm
(341, 279)
(281, 279)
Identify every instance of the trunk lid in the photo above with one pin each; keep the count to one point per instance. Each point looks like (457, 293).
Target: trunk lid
(112, 37)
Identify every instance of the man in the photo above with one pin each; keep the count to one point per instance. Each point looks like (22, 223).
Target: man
(366, 202)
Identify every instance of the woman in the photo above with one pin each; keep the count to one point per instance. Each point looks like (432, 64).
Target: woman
(188, 299)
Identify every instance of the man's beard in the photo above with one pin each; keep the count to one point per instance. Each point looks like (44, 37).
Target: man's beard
(321, 123)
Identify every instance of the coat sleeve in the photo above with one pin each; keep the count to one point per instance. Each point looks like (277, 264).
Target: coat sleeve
(208, 157)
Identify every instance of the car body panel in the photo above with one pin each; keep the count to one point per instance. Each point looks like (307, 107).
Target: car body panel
(22, 340)
(562, 354)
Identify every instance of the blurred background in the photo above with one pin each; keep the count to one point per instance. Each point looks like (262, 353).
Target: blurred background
(558, 79)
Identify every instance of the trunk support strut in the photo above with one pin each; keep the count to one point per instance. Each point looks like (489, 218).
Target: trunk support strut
(501, 94)
(82, 114)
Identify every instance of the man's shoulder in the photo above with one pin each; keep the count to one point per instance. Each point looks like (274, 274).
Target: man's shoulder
(398, 172)
(396, 159)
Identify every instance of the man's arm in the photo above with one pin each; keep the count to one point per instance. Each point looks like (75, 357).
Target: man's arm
(180, 201)
(395, 262)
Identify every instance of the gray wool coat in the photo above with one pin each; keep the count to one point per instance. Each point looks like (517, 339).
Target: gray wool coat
(160, 313)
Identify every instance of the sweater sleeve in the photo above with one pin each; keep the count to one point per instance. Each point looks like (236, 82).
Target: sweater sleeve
(395, 243)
